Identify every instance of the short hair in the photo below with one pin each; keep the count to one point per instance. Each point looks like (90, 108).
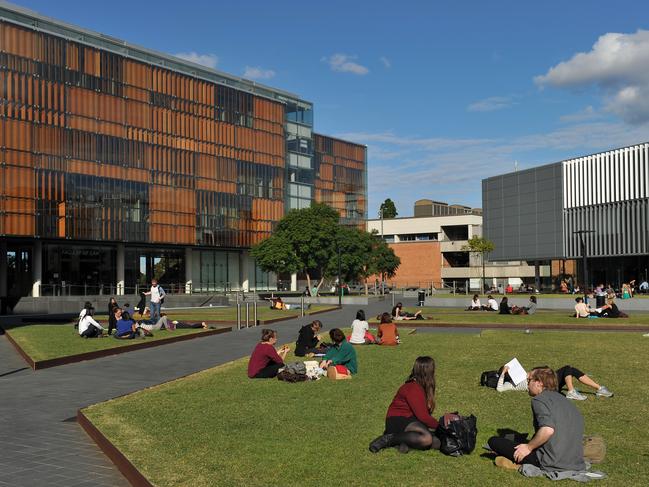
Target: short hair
(546, 376)
(337, 335)
(579, 300)
(126, 316)
(267, 334)
(386, 318)
(317, 324)
(490, 297)
(533, 299)
(360, 315)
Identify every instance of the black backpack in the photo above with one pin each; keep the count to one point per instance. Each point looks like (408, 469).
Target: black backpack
(489, 378)
(457, 434)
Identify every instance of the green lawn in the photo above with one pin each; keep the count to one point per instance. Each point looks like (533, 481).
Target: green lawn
(44, 342)
(220, 428)
(459, 317)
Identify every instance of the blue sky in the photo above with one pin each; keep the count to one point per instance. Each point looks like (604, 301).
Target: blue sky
(442, 93)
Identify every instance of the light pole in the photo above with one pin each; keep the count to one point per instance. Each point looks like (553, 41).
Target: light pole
(340, 284)
(584, 256)
(381, 215)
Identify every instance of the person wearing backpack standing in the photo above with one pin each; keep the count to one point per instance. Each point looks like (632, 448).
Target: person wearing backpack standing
(157, 296)
(558, 430)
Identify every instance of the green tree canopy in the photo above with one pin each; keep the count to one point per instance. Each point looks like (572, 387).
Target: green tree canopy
(388, 209)
(482, 246)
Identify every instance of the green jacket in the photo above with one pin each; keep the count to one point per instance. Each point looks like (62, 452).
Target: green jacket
(343, 354)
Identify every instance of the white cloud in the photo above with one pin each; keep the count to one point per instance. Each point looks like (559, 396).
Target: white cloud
(588, 113)
(386, 62)
(407, 168)
(209, 60)
(256, 72)
(345, 64)
(491, 104)
(616, 66)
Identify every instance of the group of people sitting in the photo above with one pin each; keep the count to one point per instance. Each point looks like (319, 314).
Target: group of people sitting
(122, 321)
(608, 310)
(503, 308)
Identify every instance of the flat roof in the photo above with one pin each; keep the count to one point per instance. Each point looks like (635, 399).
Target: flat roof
(35, 21)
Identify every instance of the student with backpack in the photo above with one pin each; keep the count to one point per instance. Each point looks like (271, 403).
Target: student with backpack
(408, 422)
(157, 298)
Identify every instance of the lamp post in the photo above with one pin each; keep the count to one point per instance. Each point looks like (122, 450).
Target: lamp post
(340, 284)
(584, 255)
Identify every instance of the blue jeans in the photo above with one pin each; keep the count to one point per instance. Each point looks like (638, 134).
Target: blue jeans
(155, 311)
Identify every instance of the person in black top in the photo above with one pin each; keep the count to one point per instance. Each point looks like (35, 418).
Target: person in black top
(504, 307)
(112, 321)
(308, 339)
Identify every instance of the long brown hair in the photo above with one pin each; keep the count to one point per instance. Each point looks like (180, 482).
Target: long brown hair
(423, 372)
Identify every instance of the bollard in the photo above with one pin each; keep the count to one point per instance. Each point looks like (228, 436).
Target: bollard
(238, 316)
(302, 306)
(392, 299)
(255, 311)
(247, 314)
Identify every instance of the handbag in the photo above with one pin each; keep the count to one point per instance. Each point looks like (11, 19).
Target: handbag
(457, 434)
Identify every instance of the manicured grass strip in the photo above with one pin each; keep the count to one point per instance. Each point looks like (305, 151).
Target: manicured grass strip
(46, 344)
(219, 428)
(455, 317)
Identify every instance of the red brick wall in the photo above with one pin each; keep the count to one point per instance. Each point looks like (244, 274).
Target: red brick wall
(420, 263)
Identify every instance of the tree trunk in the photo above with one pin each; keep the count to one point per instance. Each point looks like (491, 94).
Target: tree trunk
(483, 274)
(308, 281)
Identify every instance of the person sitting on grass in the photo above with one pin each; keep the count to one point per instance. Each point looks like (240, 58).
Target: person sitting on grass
(388, 333)
(126, 327)
(523, 310)
(559, 429)
(504, 308)
(308, 339)
(361, 331)
(398, 314)
(565, 377)
(610, 310)
(112, 304)
(340, 359)
(492, 304)
(475, 304)
(88, 327)
(265, 361)
(408, 422)
(582, 310)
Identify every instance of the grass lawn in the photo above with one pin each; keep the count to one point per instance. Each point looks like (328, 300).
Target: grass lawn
(460, 317)
(218, 427)
(524, 296)
(44, 342)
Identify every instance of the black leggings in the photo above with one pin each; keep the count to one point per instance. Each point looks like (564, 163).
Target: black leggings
(416, 435)
(91, 332)
(269, 371)
(505, 448)
(564, 372)
(189, 325)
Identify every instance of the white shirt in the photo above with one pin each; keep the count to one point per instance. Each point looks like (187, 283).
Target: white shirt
(156, 295)
(475, 304)
(358, 331)
(493, 304)
(87, 321)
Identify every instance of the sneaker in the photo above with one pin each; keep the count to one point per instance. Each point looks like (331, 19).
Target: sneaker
(575, 395)
(506, 463)
(381, 442)
(603, 392)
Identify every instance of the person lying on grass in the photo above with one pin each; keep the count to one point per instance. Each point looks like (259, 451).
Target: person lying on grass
(361, 331)
(398, 314)
(388, 333)
(408, 422)
(265, 361)
(565, 377)
(88, 327)
(558, 430)
(164, 323)
(340, 359)
(308, 339)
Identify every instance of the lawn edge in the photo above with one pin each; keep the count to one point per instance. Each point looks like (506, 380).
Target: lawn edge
(80, 357)
(123, 464)
(523, 326)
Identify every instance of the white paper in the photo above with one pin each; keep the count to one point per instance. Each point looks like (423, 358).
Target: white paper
(516, 371)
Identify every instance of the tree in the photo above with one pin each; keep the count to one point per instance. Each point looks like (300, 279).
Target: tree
(304, 241)
(482, 246)
(388, 209)
(384, 262)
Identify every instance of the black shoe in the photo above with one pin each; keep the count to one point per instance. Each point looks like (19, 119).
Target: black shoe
(403, 448)
(381, 442)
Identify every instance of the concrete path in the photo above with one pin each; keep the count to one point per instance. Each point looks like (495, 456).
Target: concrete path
(40, 442)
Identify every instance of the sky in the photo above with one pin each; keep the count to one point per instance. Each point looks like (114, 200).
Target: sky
(443, 93)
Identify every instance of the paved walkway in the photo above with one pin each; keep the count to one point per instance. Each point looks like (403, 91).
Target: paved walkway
(40, 442)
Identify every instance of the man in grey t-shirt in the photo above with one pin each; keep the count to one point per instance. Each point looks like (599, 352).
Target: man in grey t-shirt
(558, 429)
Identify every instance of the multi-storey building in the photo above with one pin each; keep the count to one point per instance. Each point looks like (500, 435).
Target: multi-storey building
(544, 213)
(119, 164)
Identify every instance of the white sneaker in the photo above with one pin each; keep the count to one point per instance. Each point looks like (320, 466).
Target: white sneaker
(575, 395)
(603, 392)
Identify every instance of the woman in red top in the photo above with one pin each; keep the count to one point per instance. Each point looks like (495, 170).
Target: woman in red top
(265, 361)
(388, 333)
(408, 423)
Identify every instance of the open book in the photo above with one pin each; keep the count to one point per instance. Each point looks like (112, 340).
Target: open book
(516, 371)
